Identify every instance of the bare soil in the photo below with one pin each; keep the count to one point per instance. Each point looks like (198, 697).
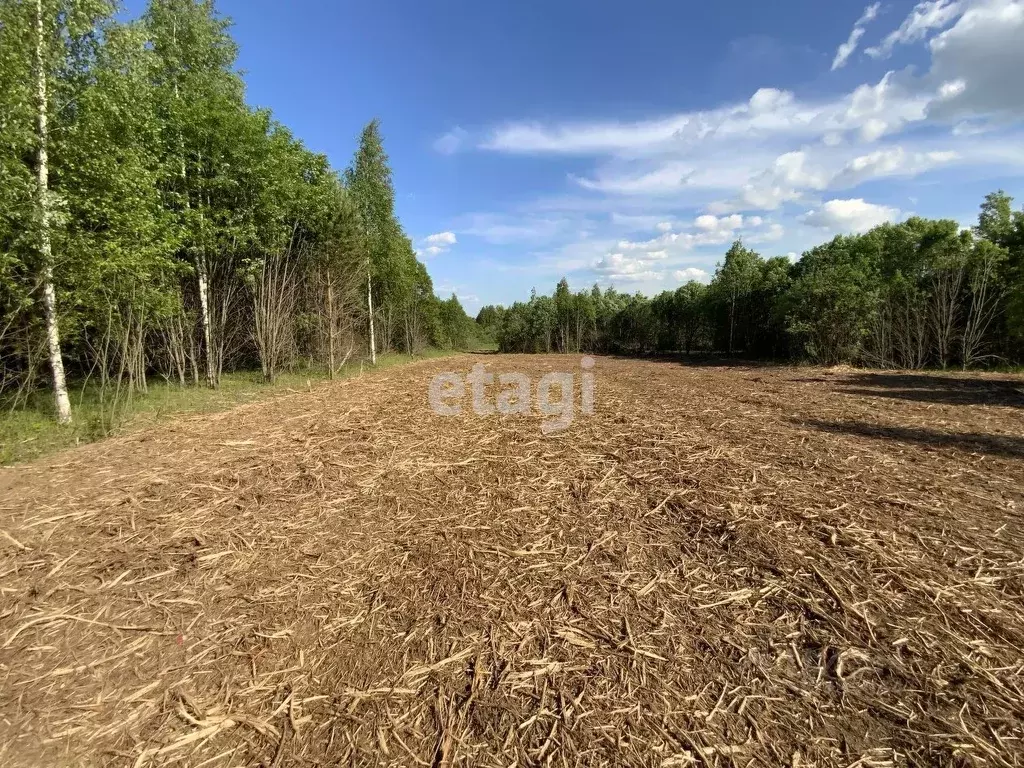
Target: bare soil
(724, 565)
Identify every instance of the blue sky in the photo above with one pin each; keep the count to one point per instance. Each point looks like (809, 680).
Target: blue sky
(630, 143)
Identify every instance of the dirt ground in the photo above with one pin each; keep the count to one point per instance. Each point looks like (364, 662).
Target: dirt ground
(724, 565)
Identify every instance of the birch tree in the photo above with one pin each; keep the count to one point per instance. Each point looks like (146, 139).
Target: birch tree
(735, 280)
(201, 109)
(984, 299)
(48, 47)
(389, 255)
(44, 22)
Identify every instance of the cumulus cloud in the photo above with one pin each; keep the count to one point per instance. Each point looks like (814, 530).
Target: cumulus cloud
(773, 232)
(726, 224)
(657, 258)
(780, 183)
(437, 243)
(644, 268)
(977, 62)
(844, 216)
(618, 267)
(443, 239)
(690, 273)
(846, 49)
(721, 150)
(892, 161)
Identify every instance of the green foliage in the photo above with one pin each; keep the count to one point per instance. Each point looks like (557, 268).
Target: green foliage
(191, 234)
(455, 329)
(921, 292)
(405, 307)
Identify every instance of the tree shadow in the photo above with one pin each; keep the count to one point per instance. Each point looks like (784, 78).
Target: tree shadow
(695, 360)
(973, 442)
(925, 388)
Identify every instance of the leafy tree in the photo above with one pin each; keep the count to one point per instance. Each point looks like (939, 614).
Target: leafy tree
(734, 283)
(1000, 225)
(369, 182)
(455, 326)
(564, 315)
(204, 127)
(690, 312)
(829, 309)
(48, 52)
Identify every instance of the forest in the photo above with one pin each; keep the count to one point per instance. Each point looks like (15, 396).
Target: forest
(152, 223)
(920, 293)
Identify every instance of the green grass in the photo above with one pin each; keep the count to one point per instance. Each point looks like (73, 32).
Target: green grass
(32, 431)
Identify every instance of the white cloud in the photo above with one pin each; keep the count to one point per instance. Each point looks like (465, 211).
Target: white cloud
(451, 142)
(977, 63)
(672, 247)
(664, 226)
(891, 161)
(793, 170)
(643, 268)
(711, 223)
(730, 149)
(886, 107)
(444, 239)
(437, 244)
(690, 273)
(774, 232)
(926, 16)
(769, 113)
(846, 50)
(767, 190)
(856, 215)
(668, 178)
(617, 267)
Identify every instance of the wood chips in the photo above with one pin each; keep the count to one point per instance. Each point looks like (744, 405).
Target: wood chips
(725, 565)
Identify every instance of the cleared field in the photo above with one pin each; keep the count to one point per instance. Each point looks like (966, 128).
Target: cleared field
(721, 566)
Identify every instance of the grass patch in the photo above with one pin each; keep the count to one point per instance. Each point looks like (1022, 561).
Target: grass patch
(32, 430)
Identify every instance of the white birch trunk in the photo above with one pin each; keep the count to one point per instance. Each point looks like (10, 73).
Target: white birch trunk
(369, 303)
(330, 323)
(204, 304)
(60, 387)
(202, 277)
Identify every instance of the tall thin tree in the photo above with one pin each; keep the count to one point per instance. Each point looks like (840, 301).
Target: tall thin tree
(60, 387)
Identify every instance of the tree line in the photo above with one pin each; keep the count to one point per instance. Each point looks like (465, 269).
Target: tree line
(916, 294)
(152, 222)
